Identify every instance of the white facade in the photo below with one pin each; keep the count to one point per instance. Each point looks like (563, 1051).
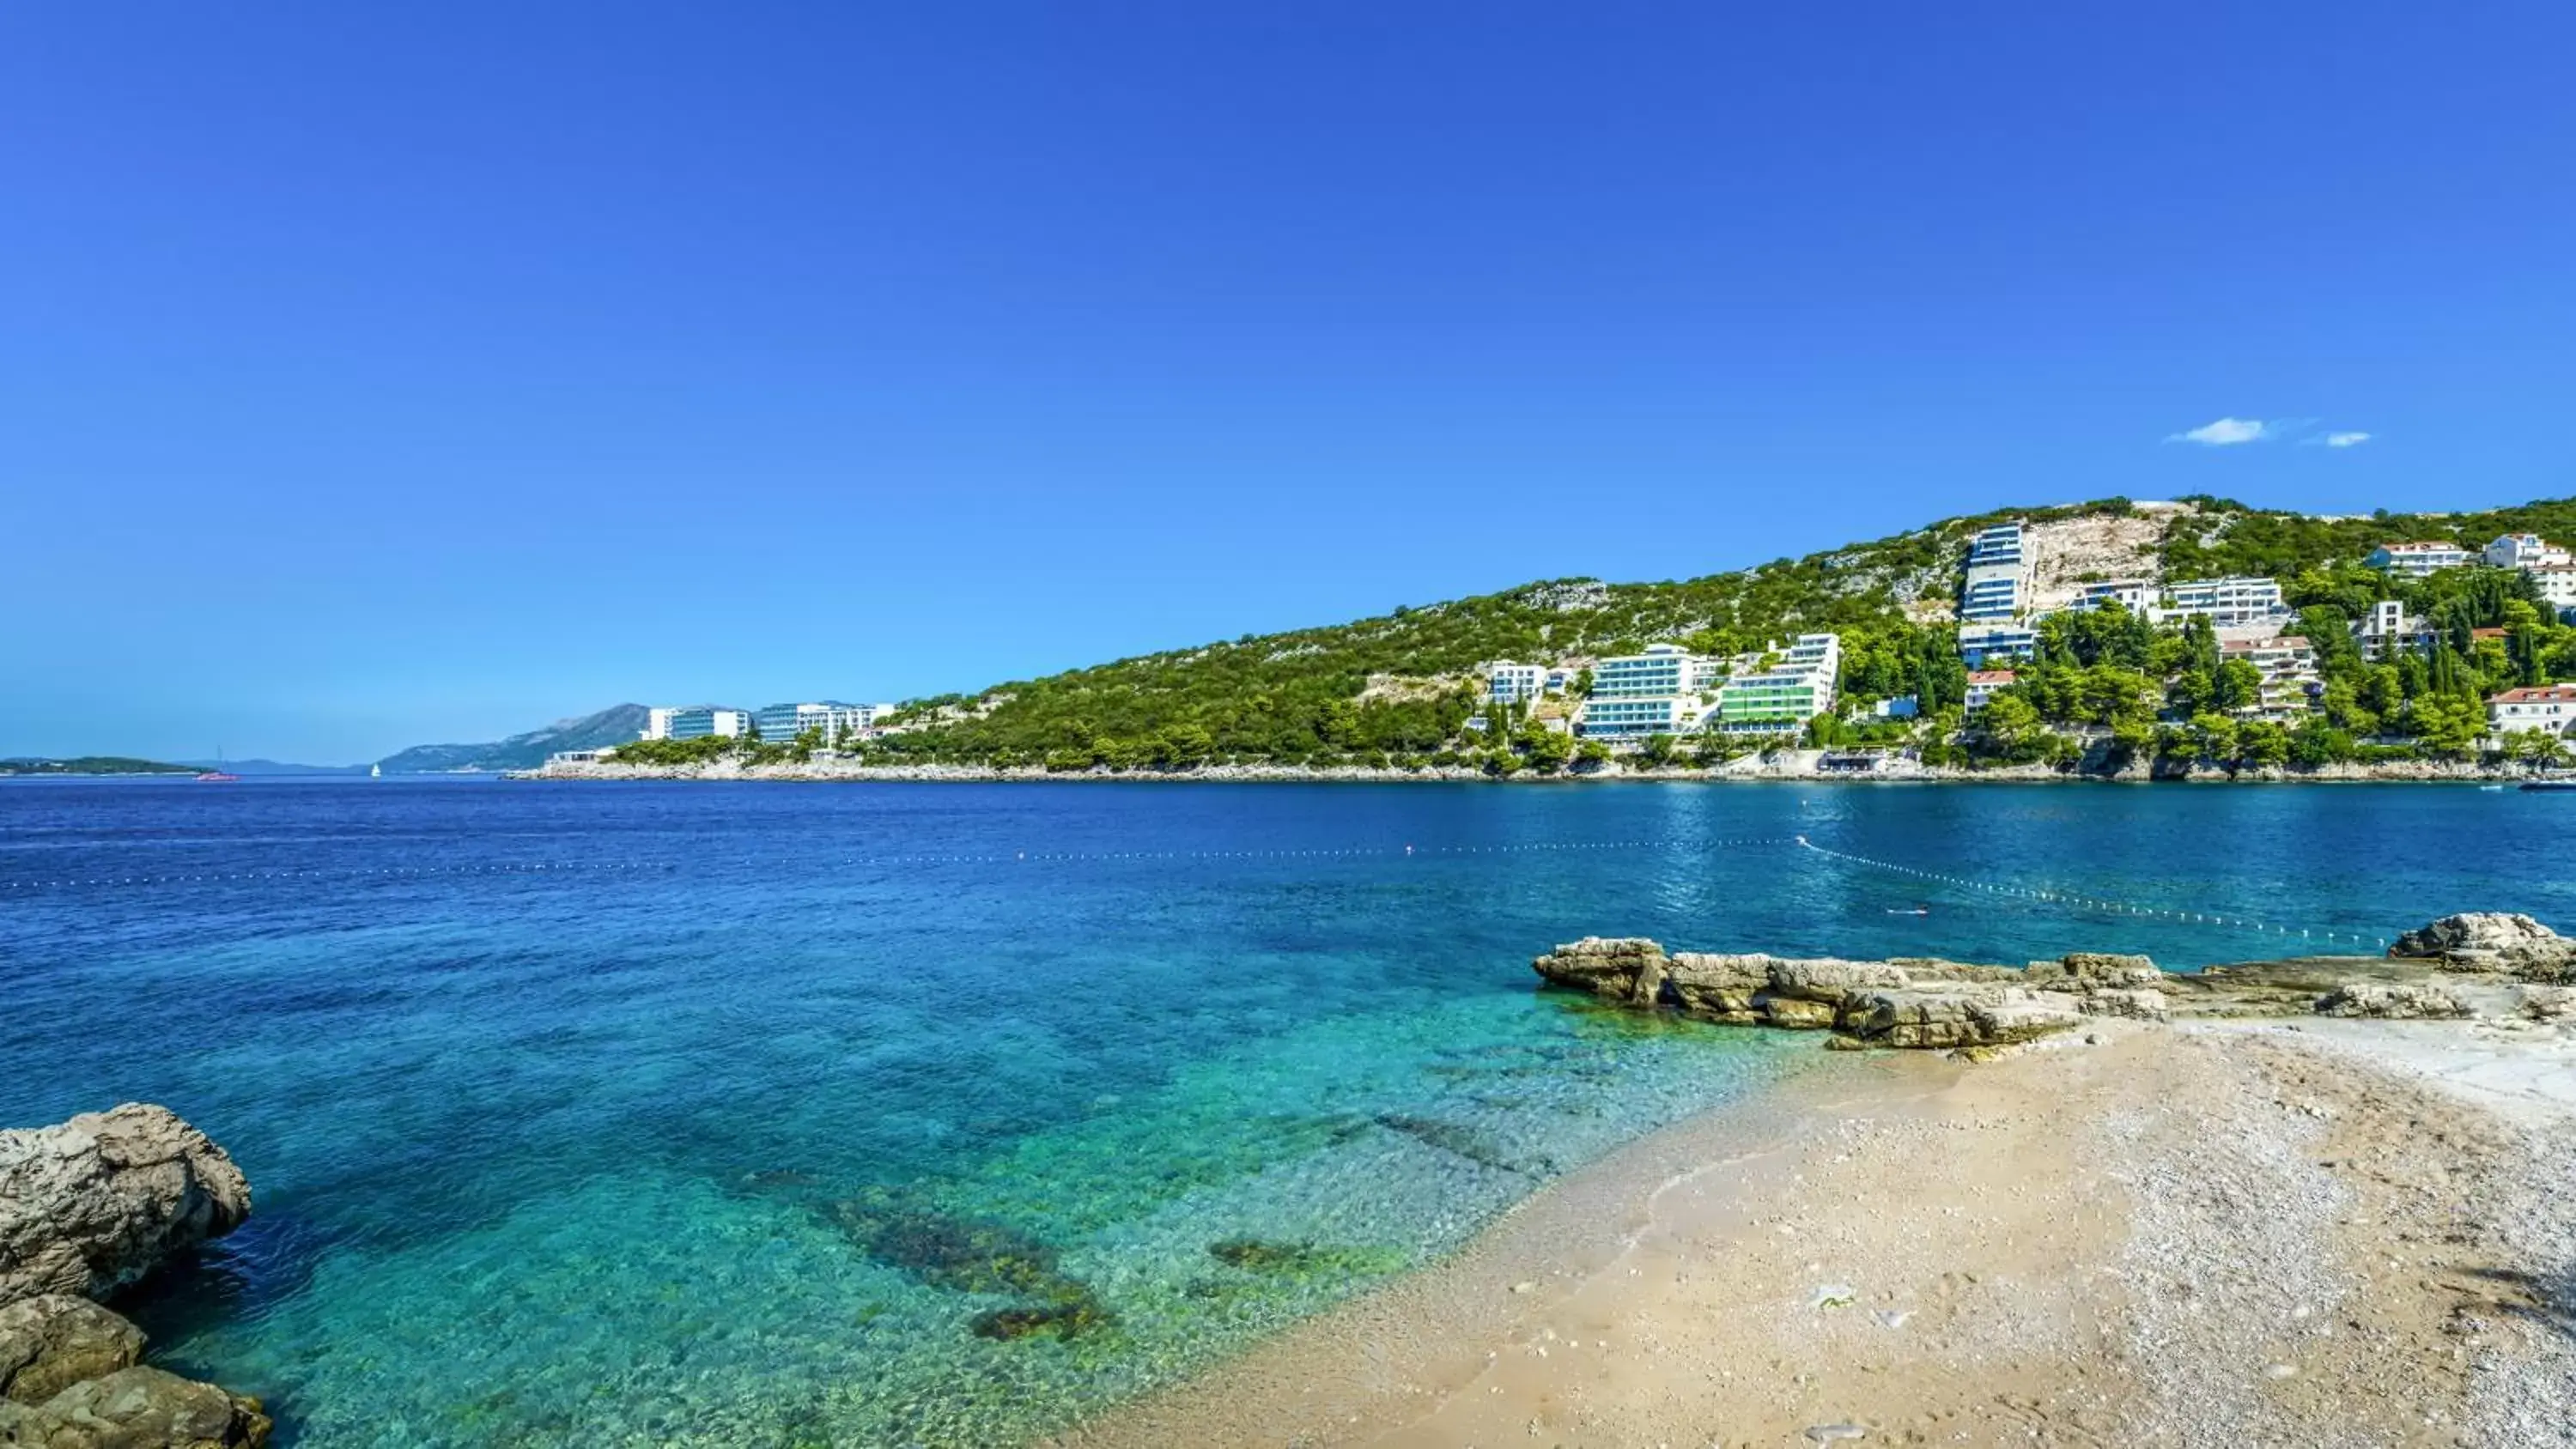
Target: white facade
(1981, 642)
(1995, 590)
(2557, 584)
(2526, 551)
(2226, 602)
(2548, 707)
(2135, 595)
(2288, 667)
(1509, 683)
(2415, 560)
(1982, 685)
(695, 721)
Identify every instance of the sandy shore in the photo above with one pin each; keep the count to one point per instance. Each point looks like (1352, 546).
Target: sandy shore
(2362, 1235)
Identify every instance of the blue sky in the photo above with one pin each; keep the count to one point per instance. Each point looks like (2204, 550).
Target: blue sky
(379, 374)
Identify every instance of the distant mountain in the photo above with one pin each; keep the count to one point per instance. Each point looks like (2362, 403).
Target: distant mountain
(612, 726)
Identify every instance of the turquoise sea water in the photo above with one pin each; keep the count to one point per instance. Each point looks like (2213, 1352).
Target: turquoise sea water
(883, 1115)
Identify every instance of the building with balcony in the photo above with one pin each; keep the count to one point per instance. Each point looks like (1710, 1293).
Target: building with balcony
(2557, 584)
(2135, 595)
(2289, 669)
(2226, 603)
(1782, 698)
(2526, 551)
(837, 721)
(1635, 719)
(695, 721)
(1663, 669)
(1981, 642)
(2415, 560)
(1509, 683)
(2549, 707)
(1982, 684)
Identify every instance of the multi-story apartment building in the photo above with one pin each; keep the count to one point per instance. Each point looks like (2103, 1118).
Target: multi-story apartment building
(2526, 551)
(2135, 595)
(837, 721)
(2557, 584)
(1509, 683)
(1784, 697)
(2288, 666)
(2547, 707)
(2385, 632)
(695, 721)
(1982, 684)
(1625, 719)
(1997, 576)
(2226, 602)
(1663, 669)
(1979, 643)
(2415, 560)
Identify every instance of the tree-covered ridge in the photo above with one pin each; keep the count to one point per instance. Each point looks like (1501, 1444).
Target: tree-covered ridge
(93, 765)
(1399, 688)
(2221, 538)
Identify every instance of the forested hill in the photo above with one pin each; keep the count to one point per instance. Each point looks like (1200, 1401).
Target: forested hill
(1401, 684)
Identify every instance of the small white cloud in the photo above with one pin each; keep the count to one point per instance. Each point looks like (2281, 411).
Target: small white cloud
(2225, 433)
(2344, 440)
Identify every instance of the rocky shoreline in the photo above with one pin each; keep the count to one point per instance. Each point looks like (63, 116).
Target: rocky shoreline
(2494, 967)
(1802, 766)
(89, 1207)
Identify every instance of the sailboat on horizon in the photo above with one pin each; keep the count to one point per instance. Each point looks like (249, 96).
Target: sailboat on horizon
(218, 775)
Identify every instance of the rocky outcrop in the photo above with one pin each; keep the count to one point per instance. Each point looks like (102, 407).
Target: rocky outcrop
(137, 1408)
(1888, 1003)
(2493, 941)
(93, 1204)
(2447, 970)
(86, 1208)
(2367, 998)
(49, 1343)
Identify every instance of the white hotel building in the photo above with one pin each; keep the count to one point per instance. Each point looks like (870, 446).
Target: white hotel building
(2415, 560)
(2550, 708)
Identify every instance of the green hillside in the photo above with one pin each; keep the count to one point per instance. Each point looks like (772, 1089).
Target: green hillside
(93, 765)
(1400, 687)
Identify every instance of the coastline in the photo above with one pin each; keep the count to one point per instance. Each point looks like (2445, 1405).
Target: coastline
(1795, 766)
(2209, 1234)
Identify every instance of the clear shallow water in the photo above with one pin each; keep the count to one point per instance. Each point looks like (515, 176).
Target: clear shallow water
(708, 1114)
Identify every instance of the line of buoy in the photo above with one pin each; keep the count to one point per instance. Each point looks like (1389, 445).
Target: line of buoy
(2095, 903)
(1014, 857)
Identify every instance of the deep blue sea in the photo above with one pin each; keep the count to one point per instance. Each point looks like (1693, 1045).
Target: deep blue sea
(762, 1114)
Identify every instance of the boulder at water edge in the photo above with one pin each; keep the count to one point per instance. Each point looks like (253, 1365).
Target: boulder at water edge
(2493, 941)
(93, 1204)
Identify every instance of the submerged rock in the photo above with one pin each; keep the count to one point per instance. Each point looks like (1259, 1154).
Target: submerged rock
(92, 1205)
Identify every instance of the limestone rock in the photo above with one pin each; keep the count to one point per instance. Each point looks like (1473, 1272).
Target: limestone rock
(1629, 969)
(2493, 941)
(137, 1408)
(1720, 988)
(95, 1203)
(2097, 971)
(2142, 1003)
(51, 1342)
(2549, 1003)
(2364, 998)
(1829, 980)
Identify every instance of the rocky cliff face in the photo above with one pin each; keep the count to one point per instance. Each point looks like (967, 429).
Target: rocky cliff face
(87, 1207)
(2460, 966)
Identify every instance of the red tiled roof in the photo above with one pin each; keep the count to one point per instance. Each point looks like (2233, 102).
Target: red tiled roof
(2486, 633)
(2538, 694)
(1991, 676)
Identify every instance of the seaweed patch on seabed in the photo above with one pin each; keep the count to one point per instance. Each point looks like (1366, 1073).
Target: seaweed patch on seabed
(969, 1256)
(1303, 1260)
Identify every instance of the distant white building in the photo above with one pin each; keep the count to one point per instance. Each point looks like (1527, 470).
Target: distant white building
(2289, 670)
(2225, 602)
(1663, 670)
(2415, 560)
(1782, 698)
(1982, 685)
(1510, 683)
(1981, 642)
(1998, 577)
(2548, 707)
(2385, 632)
(695, 721)
(835, 720)
(2135, 595)
(2526, 551)
(2557, 584)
